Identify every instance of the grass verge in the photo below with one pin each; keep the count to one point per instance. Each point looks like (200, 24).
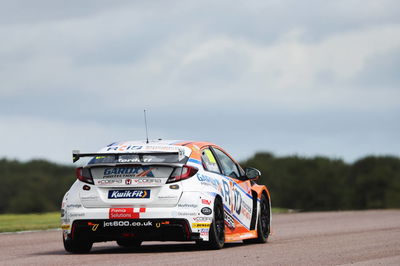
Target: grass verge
(281, 210)
(23, 222)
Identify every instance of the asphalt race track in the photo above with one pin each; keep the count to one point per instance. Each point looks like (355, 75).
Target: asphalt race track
(325, 238)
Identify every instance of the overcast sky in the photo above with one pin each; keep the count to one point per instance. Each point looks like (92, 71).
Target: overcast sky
(290, 77)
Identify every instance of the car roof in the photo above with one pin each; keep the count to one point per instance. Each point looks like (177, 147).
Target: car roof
(162, 142)
(194, 146)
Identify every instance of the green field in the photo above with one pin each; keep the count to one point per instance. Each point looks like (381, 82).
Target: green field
(281, 210)
(24, 222)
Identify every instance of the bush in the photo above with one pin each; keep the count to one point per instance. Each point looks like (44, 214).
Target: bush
(329, 184)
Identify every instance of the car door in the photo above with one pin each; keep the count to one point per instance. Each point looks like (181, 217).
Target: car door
(236, 192)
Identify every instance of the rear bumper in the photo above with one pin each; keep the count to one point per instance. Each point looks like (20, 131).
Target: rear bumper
(97, 230)
(184, 221)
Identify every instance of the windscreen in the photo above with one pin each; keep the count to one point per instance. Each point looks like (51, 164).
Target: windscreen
(137, 158)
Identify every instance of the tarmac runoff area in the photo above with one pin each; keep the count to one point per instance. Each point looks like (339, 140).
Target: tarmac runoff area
(318, 238)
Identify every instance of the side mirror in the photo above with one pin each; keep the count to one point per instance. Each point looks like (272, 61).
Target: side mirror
(252, 173)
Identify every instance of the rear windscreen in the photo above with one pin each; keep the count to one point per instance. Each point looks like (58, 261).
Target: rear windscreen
(134, 172)
(137, 158)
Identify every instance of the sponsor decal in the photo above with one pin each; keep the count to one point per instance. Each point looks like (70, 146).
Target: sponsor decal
(76, 214)
(147, 181)
(204, 201)
(246, 210)
(162, 148)
(204, 232)
(113, 144)
(124, 148)
(129, 194)
(185, 205)
(121, 172)
(125, 213)
(167, 197)
(246, 214)
(202, 219)
(128, 181)
(74, 206)
(229, 221)
(90, 197)
(65, 226)
(127, 224)
(206, 180)
(187, 213)
(206, 211)
(246, 206)
(131, 160)
(201, 225)
(109, 182)
(94, 226)
(158, 224)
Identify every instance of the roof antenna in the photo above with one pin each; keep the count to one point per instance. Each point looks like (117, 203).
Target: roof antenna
(145, 123)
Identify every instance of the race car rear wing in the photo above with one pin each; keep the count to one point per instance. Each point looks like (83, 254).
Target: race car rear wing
(76, 154)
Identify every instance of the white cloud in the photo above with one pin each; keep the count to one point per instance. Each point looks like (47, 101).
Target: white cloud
(84, 67)
(27, 137)
(288, 71)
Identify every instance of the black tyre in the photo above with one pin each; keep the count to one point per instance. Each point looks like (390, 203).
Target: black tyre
(217, 228)
(77, 245)
(263, 223)
(129, 243)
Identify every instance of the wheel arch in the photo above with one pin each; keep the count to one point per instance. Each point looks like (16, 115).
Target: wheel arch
(267, 196)
(257, 194)
(218, 196)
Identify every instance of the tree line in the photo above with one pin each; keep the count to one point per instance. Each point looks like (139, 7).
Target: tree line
(320, 183)
(306, 184)
(34, 186)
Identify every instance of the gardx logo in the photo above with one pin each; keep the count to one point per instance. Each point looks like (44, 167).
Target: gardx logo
(143, 171)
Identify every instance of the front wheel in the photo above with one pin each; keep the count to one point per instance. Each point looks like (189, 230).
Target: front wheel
(263, 223)
(217, 228)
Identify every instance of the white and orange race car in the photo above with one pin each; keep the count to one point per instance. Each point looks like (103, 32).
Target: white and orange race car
(136, 191)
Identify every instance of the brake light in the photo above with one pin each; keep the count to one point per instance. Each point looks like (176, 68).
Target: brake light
(84, 175)
(182, 173)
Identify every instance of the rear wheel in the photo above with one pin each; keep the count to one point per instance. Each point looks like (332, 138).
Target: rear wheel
(217, 228)
(77, 245)
(263, 223)
(129, 243)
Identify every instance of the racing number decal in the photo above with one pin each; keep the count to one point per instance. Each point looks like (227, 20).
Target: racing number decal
(232, 196)
(226, 192)
(238, 206)
(237, 201)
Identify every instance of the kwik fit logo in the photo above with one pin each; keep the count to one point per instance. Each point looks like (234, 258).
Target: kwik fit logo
(128, 194)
